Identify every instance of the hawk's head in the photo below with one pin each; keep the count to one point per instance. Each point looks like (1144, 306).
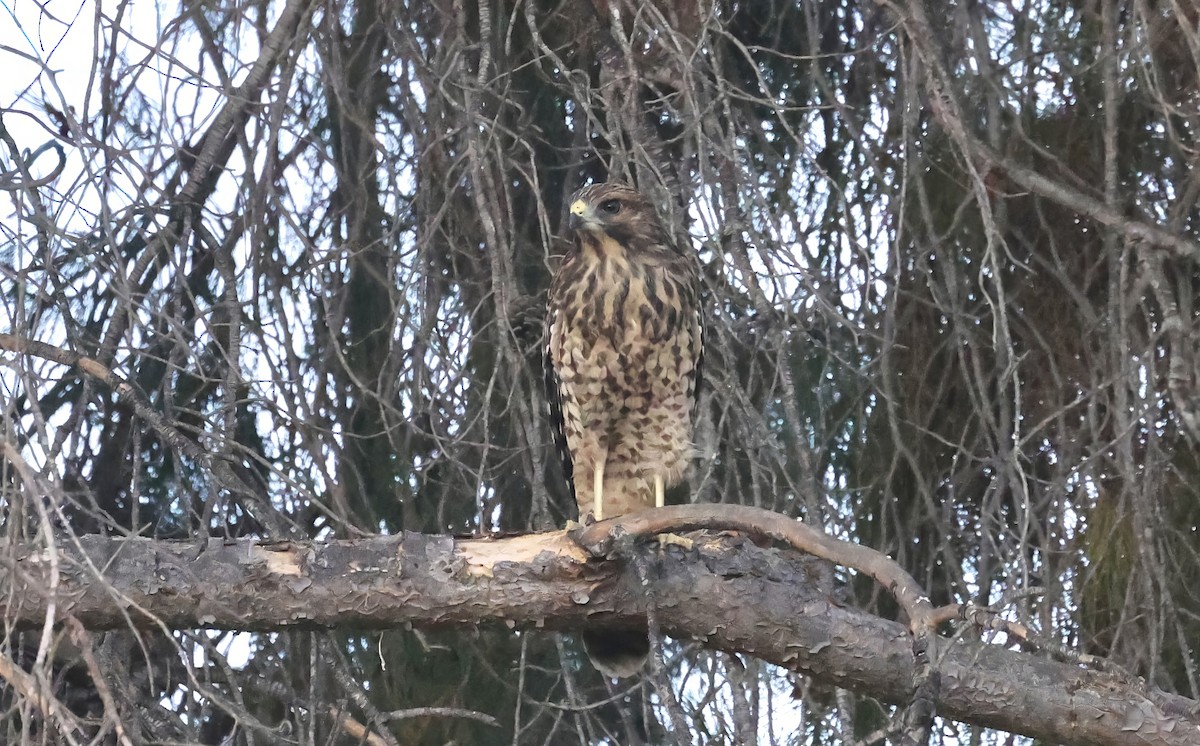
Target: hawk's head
(618, 212)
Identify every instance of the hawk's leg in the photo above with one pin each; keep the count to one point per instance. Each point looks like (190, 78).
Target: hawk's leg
(660, 492)
(598, 486)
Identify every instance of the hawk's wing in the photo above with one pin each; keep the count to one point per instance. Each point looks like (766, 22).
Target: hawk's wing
(557, 424)
(698, 373)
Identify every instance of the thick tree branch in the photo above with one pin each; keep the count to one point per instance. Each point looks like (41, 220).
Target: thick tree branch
(726, 592)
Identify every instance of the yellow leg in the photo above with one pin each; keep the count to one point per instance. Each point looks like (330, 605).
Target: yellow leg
(598, 488)
(660, 492)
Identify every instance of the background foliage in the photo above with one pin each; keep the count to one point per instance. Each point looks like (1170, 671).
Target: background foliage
(948, 255)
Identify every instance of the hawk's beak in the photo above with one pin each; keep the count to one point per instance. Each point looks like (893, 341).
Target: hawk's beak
(580, 214)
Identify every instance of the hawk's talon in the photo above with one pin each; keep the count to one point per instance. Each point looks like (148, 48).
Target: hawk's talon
(669, 540)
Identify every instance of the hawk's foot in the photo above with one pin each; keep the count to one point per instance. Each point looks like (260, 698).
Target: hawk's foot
(668, 540)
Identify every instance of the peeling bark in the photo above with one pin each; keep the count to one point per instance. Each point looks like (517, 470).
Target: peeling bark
(726, 592)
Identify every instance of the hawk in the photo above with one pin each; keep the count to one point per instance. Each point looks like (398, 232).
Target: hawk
(625, 339)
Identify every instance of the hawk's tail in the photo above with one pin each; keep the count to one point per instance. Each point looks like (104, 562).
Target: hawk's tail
(617, 653)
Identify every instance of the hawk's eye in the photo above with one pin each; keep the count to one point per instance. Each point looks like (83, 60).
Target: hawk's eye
(610, 207)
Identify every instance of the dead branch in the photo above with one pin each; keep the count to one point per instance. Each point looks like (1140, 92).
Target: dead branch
(725, 592)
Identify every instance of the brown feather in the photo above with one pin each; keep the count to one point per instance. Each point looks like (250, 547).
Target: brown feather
(624, 346)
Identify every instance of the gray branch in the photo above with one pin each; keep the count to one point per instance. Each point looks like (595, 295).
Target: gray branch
(726, 593)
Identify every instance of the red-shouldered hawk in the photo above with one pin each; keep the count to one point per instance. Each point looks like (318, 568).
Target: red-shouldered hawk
(622, 368)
